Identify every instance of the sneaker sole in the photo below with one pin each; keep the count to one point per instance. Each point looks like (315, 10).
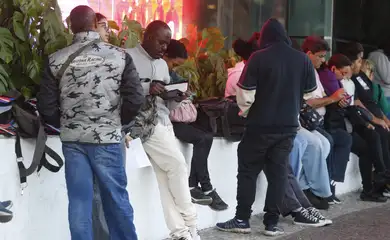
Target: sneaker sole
(374, 200)
(235, 230)
(218, 210)
(204, 202)
(5, 218)
(386, 195)
(272, 234)
(319, 224)
(327, 222)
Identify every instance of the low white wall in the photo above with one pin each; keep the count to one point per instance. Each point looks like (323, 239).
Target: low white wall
(41, 213)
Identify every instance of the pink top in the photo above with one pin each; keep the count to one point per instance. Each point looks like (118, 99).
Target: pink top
(234, 75)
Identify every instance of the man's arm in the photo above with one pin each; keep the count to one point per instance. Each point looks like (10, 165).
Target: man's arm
(309, 84)
(247, 85)
(131, 92)
(325, 101)
(48, 102)
(374, 119)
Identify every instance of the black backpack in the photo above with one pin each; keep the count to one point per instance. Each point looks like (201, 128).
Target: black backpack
(310, 118)
(220, 117)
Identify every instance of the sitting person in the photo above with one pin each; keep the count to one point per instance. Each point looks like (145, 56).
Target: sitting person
(365, 141)
(244, 50)
(340, 141)
(355, 51)
(380, 58)
(202, 192)
(368, 68)
(295, 202)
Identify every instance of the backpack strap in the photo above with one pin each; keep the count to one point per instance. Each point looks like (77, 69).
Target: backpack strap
(39, 158)
(68, 61)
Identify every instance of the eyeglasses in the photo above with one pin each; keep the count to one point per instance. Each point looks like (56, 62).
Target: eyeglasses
(104, 26)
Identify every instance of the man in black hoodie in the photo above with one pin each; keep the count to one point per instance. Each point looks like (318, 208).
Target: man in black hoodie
(270, 93)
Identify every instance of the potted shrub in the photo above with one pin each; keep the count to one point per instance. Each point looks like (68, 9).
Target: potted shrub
(30, 30)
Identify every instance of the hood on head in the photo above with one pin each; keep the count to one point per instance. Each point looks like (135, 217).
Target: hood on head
(272, 32)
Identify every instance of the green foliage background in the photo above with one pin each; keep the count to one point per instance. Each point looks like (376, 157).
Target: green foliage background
(30, 30)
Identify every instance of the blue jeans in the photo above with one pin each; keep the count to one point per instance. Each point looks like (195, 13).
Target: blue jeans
(299, 148)
(314, 174)
(82, 162)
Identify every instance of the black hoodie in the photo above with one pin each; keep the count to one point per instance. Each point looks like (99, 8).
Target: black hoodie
(278, 75)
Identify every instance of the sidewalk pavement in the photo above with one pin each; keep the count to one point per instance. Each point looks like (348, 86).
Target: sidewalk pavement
(351, 203)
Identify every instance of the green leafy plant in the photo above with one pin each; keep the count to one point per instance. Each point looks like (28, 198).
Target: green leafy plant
(130, 34)
(205, 49)
(30, 30)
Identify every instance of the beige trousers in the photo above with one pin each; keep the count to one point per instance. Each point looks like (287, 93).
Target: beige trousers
(172, 177)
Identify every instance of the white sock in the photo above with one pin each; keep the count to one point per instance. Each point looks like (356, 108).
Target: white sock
(191, 188)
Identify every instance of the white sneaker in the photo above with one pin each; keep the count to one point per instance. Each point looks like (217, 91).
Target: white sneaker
(194, 233)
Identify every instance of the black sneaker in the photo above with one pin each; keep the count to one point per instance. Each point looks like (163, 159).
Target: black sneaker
(5, 214)
(304, 218)
(372, 197)
(317, 202)
(314, 212)
(386, 193)
(234, 226)
(198, 197)
(7, 204)
(273, 230)
(333, 198)
(218, 204)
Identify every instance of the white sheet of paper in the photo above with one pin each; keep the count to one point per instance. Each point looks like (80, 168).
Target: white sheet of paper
(179, 86)
(136, 156)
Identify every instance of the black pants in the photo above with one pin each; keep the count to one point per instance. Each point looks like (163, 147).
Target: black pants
(294, 198)
(202, 142)
(255, 152)
(385, 140)
(367, 145)
(340, 148)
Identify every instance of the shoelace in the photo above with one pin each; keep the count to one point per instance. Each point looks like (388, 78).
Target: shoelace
(316, 213)
(305, 213)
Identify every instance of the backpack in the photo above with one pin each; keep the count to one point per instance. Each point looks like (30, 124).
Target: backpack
(6, 122)
(220, 117)
(310, 118)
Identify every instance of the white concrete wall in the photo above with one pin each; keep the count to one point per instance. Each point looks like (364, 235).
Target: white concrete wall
(41, 213)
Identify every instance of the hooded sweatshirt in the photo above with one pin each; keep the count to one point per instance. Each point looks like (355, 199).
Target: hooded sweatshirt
(271, 87)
